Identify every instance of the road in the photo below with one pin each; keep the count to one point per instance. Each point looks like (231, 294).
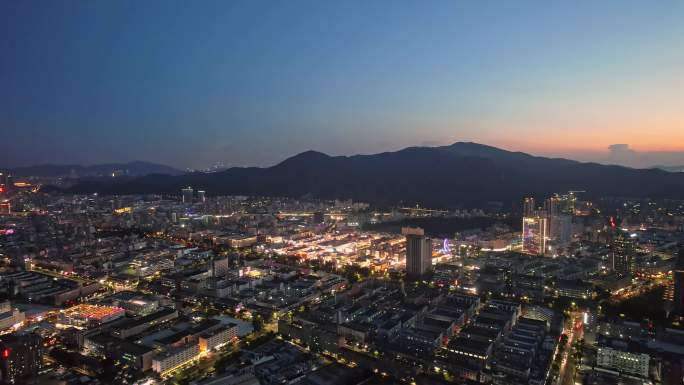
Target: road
(55, 274)
(644, 285)
(567, 369)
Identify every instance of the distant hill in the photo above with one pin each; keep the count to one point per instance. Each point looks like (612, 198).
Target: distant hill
(99, 170)
(459, 175)
(671, 168)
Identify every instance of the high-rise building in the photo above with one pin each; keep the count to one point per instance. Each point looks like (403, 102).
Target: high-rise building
(220, 267)
(201, 196)
(5, 207)
(318, 217)
(418, 252)
(556, 218)
(6, 182)
(187, 194)
(561, 204)
(569, 201)
(553, 205)
(21, 357)
(534, 235)
(678, 283)
(528, 207)
(623, 256)
(560, 229)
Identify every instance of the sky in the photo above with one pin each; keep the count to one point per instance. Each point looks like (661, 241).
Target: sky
(191, 84)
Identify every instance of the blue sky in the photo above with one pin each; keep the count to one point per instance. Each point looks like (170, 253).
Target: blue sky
(252, 82)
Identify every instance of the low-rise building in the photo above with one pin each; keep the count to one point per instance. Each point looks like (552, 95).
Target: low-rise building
(623, 362)
(132, 327)
(574, 289)
(216, 338)
(175, 357)
(10, 316)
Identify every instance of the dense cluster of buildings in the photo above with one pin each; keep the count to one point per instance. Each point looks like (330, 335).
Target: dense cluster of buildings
(548, 230)
(161, 289)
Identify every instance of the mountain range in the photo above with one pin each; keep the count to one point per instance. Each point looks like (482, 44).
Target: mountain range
(463, 174)
(136, 168)
(671, 168)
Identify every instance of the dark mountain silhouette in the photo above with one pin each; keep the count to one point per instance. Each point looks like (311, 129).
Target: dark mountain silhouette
(671, 168)
(136, 168)
(462, 174)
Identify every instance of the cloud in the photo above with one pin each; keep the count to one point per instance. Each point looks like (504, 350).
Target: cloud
(620, 149)
(623, 154)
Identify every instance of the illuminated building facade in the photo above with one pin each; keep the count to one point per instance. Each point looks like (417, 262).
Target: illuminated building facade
(21, 357)
(678, 283)
(623, 255)
(5, 207)
(217, 338)
(9, 316)
(83, 314)
(548, 229)
(534, 235)
(623, 362)
(175, 357)
(6, 182)
(561, 204)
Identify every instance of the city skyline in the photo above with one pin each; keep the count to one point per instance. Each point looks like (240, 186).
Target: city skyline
(615, 154)
(253, 83)
(307, 192)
